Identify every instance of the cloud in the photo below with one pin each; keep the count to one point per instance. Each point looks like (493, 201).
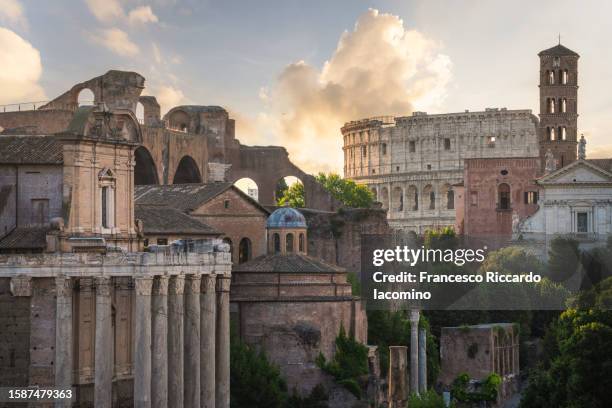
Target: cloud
(378, 68)
(168, 97)
(142, 15)
(106, 10)
(21, 69)
(11, 13)
(117, 41)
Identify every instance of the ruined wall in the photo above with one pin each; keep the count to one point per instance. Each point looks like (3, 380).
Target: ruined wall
(35, 122)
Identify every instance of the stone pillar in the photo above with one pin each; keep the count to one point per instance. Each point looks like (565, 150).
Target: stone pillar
(103, 377)
(414, 351)
(175, 341)
(208, 323)
(159, 343)
(398, 381)
(223, 343)
(63, 336)
(422, 360)
(192, 341)
(142, 342)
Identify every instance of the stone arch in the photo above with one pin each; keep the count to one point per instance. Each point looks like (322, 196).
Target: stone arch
(429, 197)
(397, 199)
(187, 172)
(412, 198)
(85, 97)
(448, 197)
(245, 252)
(179, 120)
(145, 171)
(249, 187)
(384, 197)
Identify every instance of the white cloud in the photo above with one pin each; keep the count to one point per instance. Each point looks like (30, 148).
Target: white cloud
(142, 15)
(106, 10)
(378, 68)
(117, 41)
(156, 53)
(168, 97)
(21, 69)
(11, 13)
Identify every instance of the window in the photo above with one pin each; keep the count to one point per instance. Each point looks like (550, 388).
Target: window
(531, 197)
(450, 200)
(551, 105)
(491, 141)
(397, 168)
(226, 203)
(582, 222)
(289, 242)
(384, 149)
(429, 167)
(432, 200)
(551, 77)
(364, 151)
(231, 246)
(105, 197)
(504, 196)
(40, 211)
(412, 146)
(276, 239)
(244, 250)
(474, 199)
(550, 133)
(162, 241)
(301, 242)
(447, 144)
(504, 172)
(562, 132)
(415, 207)
(146, 242)
(563, 104)
(564, 77)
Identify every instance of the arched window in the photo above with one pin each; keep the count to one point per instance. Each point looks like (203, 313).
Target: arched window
(551, 77)
(551, 133)
(301, 242)
(106, 180)
(85, 97)
(428, 194)
(450, 199)
(551, 105)
(105, 206)
(277, 244)
(384, 198)
(503, 196)
(562, 132)
(244, 250)
(398, 199)
(289, 242)
(412, 197)
(563, 104)
(564, 77)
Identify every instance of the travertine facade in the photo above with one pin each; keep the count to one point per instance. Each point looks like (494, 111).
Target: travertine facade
(411, 163)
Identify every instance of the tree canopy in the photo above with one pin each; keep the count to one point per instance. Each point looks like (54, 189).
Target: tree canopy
(347, 191)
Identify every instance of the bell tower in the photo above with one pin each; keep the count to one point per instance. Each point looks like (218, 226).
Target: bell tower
(558, 131)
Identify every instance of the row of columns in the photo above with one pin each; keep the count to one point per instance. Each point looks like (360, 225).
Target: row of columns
(181, 341)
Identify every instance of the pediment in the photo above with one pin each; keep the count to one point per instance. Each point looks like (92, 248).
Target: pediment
(580, 172)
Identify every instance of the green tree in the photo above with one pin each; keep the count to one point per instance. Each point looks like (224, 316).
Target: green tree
(293, 196)
(563, 258)
(254, 381)
(444, 238)
(281, 188)
(347, 191)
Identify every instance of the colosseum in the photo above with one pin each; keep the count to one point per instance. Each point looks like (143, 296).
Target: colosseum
(412, 163)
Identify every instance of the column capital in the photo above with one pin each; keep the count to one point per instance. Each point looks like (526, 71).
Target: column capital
(192, 283)
(176, 285)
(160, 285)
(21, 285)
(143, 285)
(103, 286)
(209, 283)
(223, 283)
(415, 316)
(63, 286)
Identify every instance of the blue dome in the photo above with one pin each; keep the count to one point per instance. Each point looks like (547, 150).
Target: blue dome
(286, 217)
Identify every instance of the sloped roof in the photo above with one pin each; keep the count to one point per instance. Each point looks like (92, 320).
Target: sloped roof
(185, 197)
(605, 164)
(30, 150)
(164, 220)
(25, 238)
(551, 177)
(296, 263)
(558, 51)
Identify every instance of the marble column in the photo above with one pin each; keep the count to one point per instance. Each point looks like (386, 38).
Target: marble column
(208, 323)
(398, 383)
(192, 340)
(142, 342)
(414, 351)
(159, 343)
(223, 343)
(422, 360)
(63, 336)
(175, 341)
(103, 362)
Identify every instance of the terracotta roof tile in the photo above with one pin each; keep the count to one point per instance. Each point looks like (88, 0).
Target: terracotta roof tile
(30, 150)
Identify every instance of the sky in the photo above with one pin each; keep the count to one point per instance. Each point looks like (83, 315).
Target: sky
(292, 72)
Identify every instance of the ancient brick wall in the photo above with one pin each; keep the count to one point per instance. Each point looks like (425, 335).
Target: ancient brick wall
(14, 337)
(35, 122)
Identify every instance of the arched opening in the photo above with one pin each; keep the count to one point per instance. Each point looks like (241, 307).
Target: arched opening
(384, 198)
(144, 170)
(562, 132)
(550, 133)
(86, 97)
(249, 187)
(277, 244)
(244, 250)
(551, 105)
(283, 185)
(564, 77)
(551, 77)
(187, 172)
(398, 199)
(301, 242)
(450, 197)
(179, 120)
(430, 196)
(503, 192)
(289, 242)
(140, 113)
(231, 246)
(564, 105)
(413, 198)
